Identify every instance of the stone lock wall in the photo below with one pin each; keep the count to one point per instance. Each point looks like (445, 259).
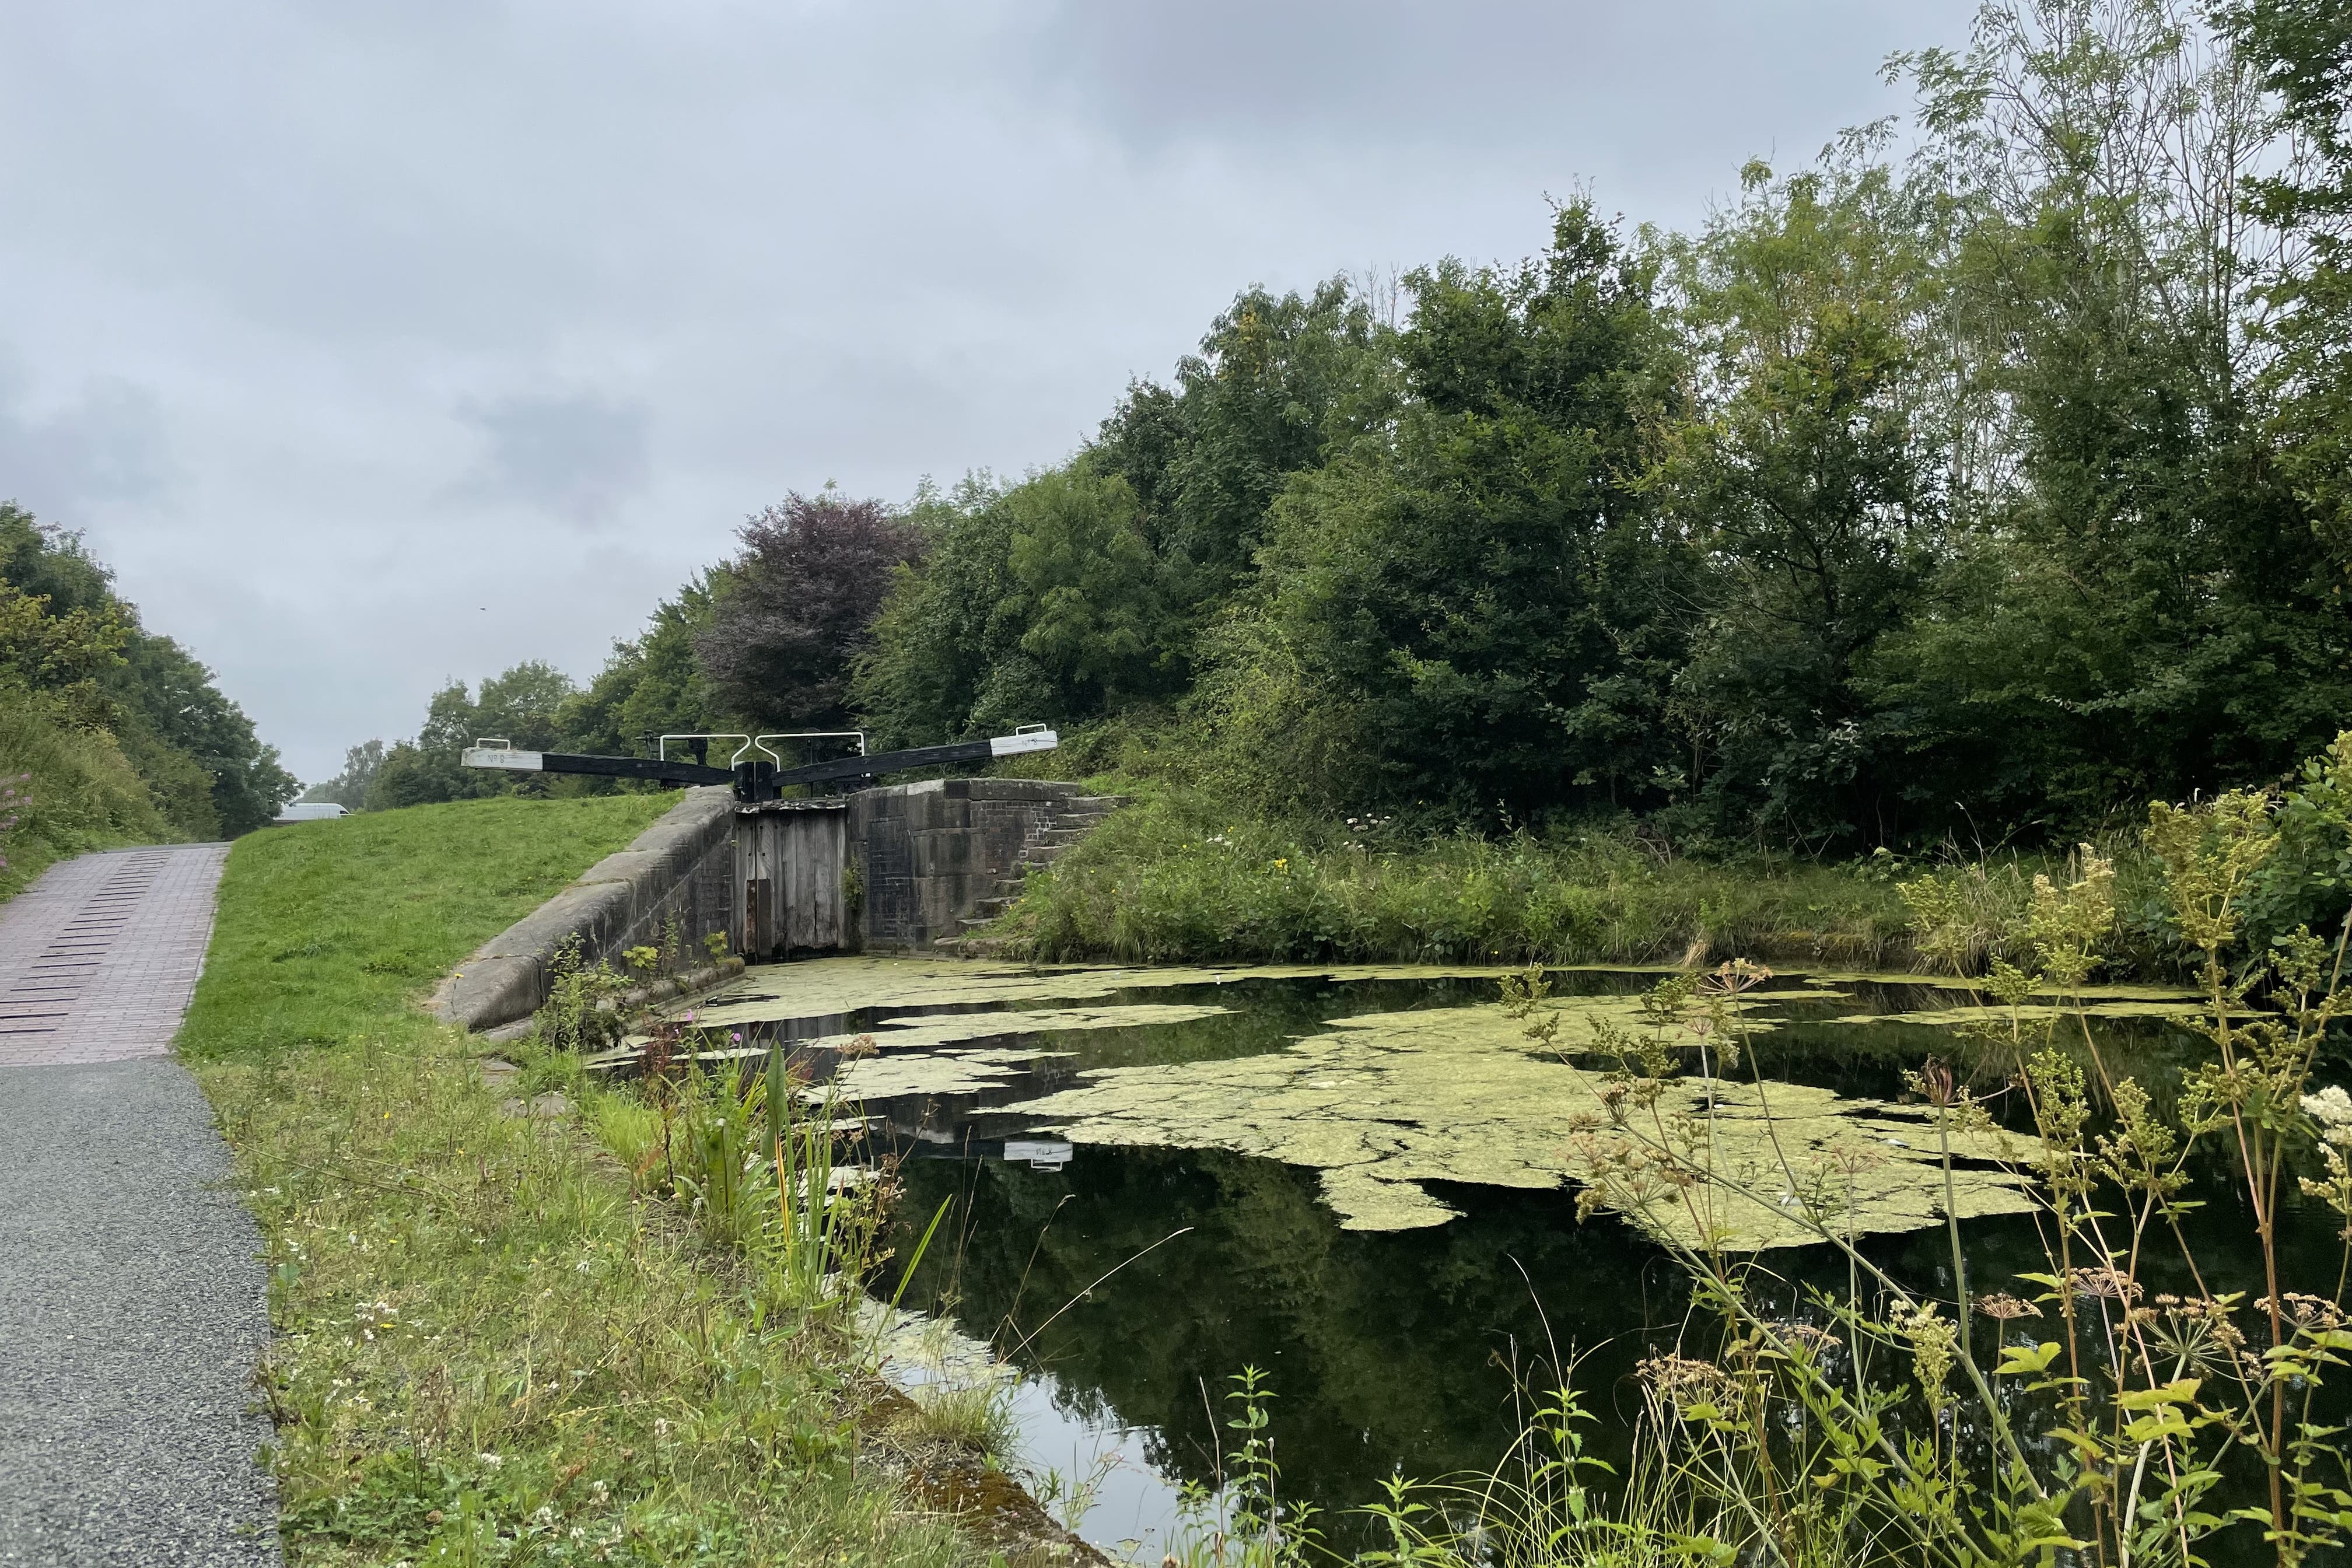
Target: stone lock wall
(781, 878)
(682, 867)
(927, 853)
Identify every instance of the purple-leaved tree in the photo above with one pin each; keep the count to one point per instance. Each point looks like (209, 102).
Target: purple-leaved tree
(786, 632)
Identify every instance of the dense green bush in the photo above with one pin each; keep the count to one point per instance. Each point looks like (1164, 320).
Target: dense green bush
(84, 794)
(77, 647)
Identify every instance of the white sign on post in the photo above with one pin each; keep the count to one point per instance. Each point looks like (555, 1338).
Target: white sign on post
(499, 757)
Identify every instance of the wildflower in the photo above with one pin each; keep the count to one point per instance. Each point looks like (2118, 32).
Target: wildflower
(2332, 1109)
(1934, 1347)
(1737, 975)
(492, 1460)
(2003, 1306)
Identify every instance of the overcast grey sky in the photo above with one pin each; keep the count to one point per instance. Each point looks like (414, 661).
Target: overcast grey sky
(375, 341)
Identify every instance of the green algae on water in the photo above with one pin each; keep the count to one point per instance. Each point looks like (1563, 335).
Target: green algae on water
(1383, 1104)
(919, 1053)
(824, 987)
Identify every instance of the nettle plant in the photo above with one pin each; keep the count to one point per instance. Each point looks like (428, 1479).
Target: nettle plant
(2078, 1408)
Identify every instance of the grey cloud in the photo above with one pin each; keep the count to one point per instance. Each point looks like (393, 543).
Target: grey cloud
(579, 456)
(374, 264)
(107, 445)
(1508, 78)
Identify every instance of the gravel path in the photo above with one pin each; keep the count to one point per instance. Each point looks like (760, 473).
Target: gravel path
(132, 1303)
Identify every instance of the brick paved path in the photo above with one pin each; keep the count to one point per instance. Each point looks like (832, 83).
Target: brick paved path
(99, 958)
(133, 1305)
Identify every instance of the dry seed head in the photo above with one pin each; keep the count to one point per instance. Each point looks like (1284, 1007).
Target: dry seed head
(1684, 1380)
(2104, 1284)
(2307, 1311)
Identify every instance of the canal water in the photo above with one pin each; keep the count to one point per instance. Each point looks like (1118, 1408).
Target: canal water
(1120, 1285)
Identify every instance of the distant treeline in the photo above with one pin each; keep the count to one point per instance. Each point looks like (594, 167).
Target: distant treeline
(1987, 475)
(124, 732)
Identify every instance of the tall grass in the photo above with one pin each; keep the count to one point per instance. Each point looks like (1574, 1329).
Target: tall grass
(1176, 877)
(83, 793)
(769, 1169)
(487, 1351)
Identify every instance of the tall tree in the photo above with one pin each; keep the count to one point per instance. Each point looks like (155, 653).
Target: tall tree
(2302, 51)
(349, 788)
(2135, 605)
(1279, 383)
(1463, 613)
(946, 644)
(784, 638)
(195, 749)
(1807, 476)
(523, 704)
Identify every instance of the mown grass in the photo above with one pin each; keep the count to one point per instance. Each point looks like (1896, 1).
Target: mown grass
(1179, 876)
(488, 1351)
(326, 931)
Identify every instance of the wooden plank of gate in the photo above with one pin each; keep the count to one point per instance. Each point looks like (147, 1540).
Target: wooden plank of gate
(759, 926)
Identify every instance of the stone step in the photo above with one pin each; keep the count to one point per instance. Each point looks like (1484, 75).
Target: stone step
(1072, 817)
(968, 946)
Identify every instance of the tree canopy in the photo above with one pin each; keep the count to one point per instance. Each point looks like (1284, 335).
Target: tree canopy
(75, 652)
(1987, 474)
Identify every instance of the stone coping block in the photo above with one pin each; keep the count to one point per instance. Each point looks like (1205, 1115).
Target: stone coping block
(506, 977)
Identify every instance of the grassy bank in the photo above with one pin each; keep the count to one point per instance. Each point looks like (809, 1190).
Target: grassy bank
(488, 1349)
(1179, 876)
(82, 793)
(326, 931)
